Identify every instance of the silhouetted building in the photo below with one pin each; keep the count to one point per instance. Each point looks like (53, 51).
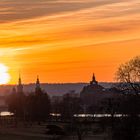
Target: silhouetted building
(92, 88)
(19, 86)
(38, 89)
(93, 81)
(94, 93)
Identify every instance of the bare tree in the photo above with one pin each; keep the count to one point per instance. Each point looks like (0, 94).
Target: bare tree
(128, 74)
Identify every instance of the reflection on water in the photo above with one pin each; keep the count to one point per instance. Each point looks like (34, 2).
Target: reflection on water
(99, 115)
(91, 115)
(6, 113)
(55, 114)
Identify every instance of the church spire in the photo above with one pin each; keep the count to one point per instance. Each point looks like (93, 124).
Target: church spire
(93, 77)
(37, 81)
(19, 86)
(38, 88)
(19, 80)
(93, 80)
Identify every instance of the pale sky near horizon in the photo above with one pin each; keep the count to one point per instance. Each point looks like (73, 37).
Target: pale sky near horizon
(67, 40)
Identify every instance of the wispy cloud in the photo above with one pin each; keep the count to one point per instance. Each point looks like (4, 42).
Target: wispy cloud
(18, 10)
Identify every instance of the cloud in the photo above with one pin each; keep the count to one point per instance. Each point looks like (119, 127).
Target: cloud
(19, 10)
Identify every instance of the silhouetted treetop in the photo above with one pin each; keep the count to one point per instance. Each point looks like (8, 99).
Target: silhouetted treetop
(128, 74)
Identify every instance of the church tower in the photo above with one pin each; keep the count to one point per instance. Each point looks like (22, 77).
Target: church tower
(38, 88)
(19, 86)
(93, 80)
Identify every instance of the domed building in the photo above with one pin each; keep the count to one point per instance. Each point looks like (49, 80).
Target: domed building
(94, 93)
(91, 93)
(93, 87)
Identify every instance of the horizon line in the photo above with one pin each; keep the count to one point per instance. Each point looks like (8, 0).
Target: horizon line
(58, 83)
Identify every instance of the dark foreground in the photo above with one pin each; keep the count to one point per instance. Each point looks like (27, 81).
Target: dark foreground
(97, 129)
(38, 132)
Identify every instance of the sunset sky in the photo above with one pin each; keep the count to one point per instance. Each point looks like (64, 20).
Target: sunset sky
(67, 40)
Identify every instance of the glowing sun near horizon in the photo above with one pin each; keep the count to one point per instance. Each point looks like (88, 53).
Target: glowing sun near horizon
(4, 75)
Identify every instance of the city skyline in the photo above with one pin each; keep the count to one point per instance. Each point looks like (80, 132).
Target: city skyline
(66, 41)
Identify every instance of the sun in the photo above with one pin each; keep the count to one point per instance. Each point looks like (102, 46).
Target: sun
(4, 75)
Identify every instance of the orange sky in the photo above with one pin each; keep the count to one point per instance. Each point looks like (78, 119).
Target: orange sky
(68, 40)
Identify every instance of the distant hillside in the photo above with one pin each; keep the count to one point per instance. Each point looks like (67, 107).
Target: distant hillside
(51, 89)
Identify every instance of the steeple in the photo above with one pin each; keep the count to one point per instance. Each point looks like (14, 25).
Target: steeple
(37, 81)
(19, 86)
(93, 80)
(38, 88)
(19, 80)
